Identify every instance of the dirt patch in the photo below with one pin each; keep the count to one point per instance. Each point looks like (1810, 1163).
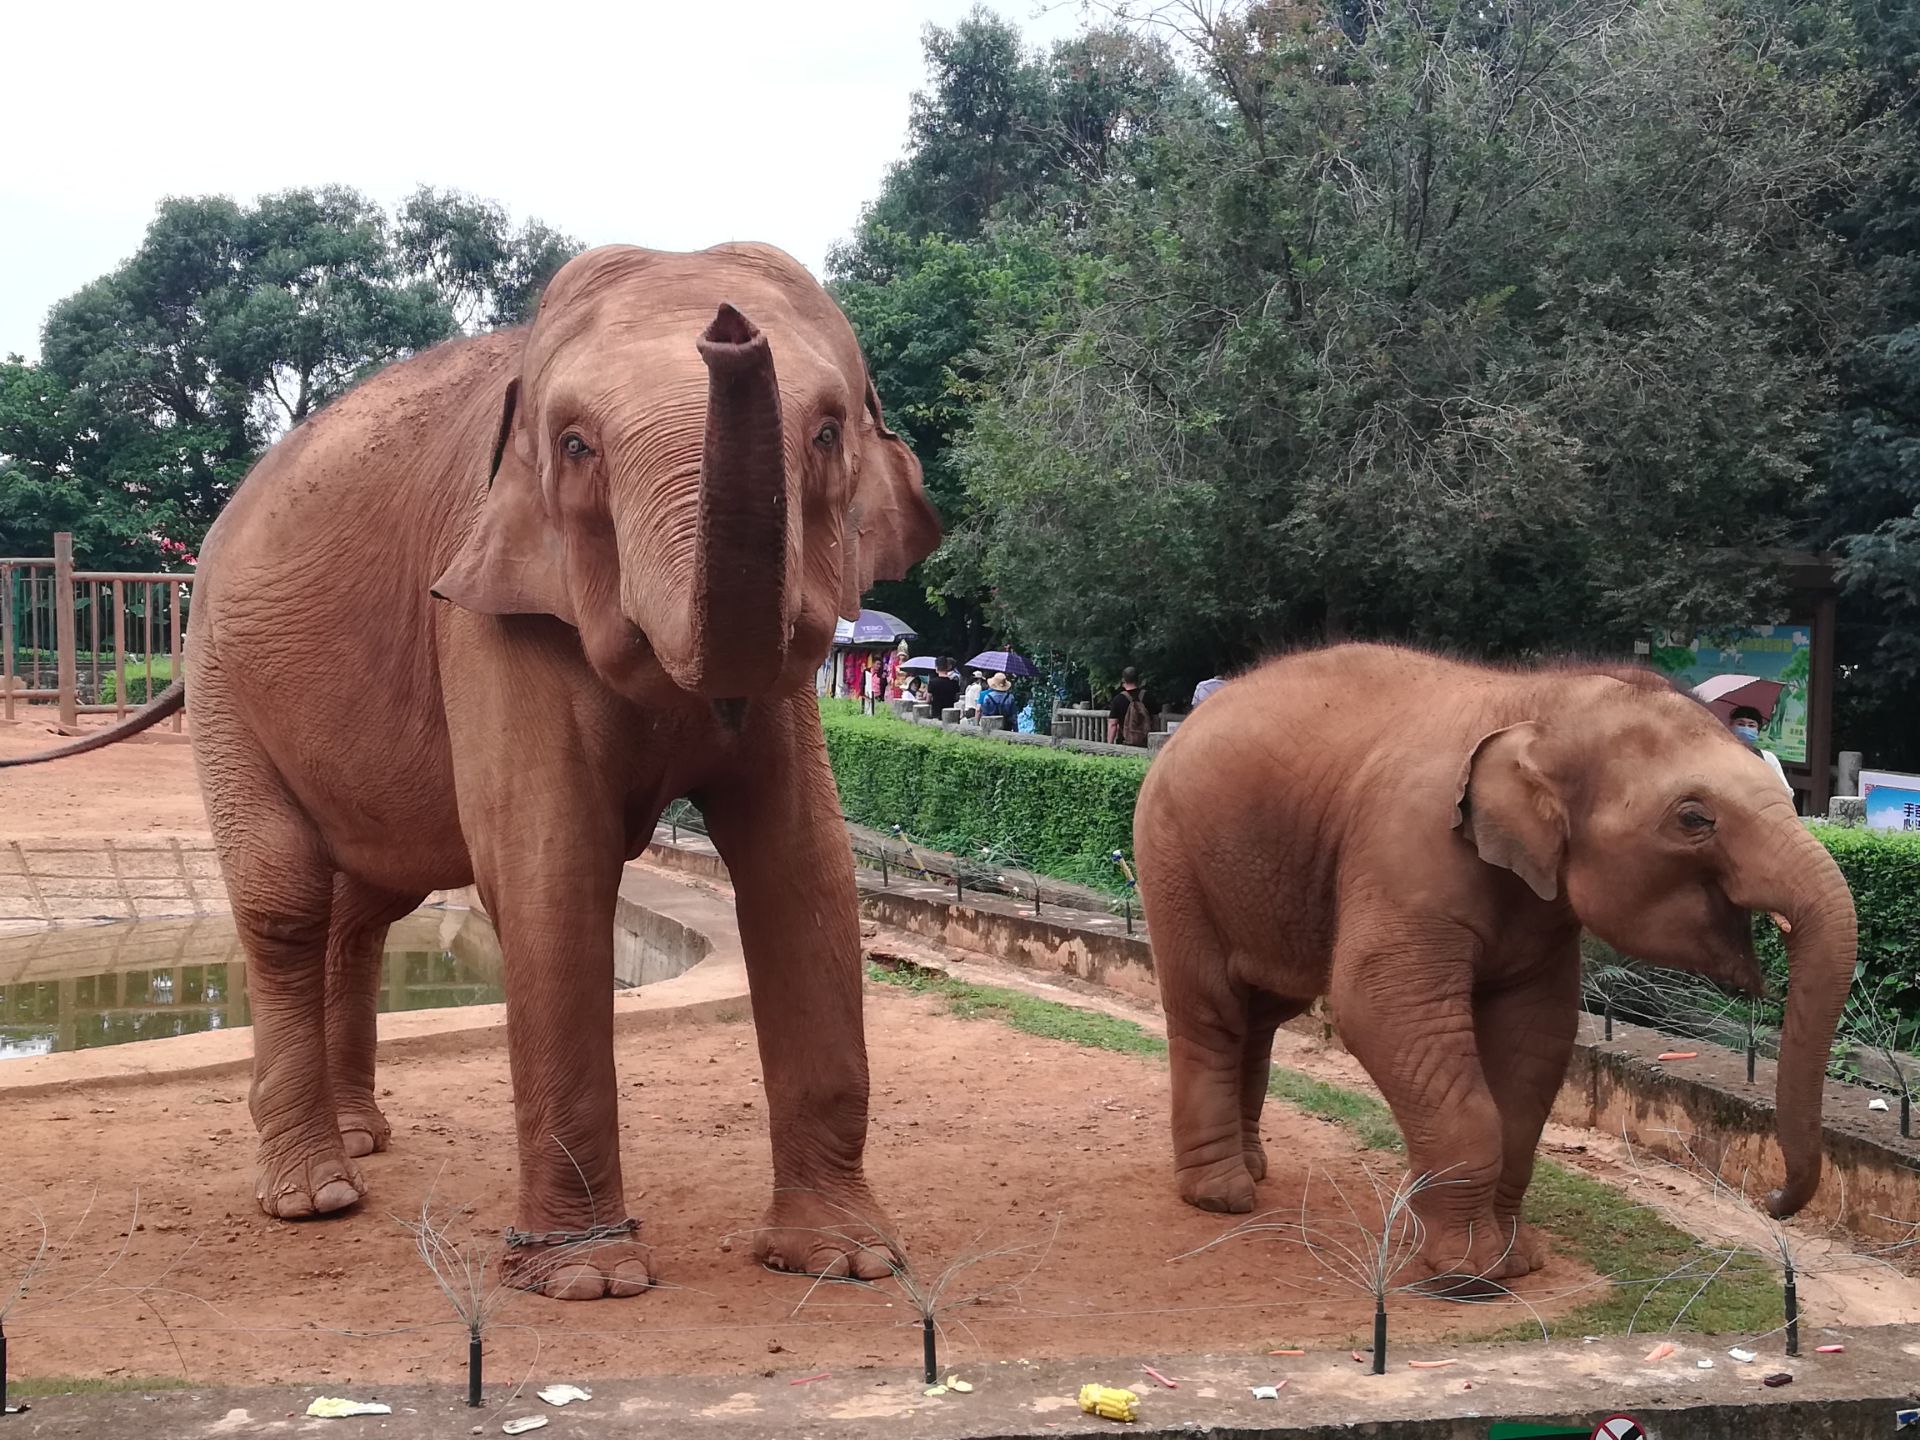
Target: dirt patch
(976, 1130)
(145, 785)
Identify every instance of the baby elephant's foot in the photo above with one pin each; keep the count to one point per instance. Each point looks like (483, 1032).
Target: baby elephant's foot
(363, 1129)
(1474, 1264)
(1225, 1186)
(304, 1182)
(1526, 1245)
(580, 1269)
(818, 1232)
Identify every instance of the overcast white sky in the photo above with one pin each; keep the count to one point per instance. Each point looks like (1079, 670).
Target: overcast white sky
(675, 125)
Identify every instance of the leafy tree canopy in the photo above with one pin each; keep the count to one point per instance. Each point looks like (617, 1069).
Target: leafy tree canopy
(161, 382)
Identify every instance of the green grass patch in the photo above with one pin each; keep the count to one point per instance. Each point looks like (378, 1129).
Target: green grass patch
(1026, 1013)
(28, 1387)
(1598, 1226)
(1369, 1119)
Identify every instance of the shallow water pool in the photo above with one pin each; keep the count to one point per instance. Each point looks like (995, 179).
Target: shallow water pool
(83, 987)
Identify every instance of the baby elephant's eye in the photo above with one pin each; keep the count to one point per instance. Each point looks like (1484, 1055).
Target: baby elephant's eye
(828, 435)
(576, 448)
(1696, 820)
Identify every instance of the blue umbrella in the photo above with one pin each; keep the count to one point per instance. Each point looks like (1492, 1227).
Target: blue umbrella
(874, 627)
(1010, 663)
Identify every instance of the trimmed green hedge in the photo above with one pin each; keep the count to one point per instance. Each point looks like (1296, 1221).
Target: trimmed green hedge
(1064, 813)
(1060, 812)
(1883, 871)
(136, 681)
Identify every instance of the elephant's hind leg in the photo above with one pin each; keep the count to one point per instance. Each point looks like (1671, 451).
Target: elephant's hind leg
(1265, 1014)
(281, 886)
(355, 940)
(1210, 1057)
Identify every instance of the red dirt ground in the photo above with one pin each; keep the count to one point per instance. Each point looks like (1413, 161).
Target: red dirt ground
(144, 785)
(976, 1129)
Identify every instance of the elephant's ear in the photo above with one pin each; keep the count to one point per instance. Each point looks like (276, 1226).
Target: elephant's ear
(891, 527)
(1508, 808)
(511, 560)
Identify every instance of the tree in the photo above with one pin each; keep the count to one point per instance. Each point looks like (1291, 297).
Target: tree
(161, 382)
(1507, 327)
(999, 135)
(1872, 462)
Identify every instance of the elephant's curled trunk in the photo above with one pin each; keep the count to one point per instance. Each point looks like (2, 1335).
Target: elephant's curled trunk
(1821, 941)
(740, 618)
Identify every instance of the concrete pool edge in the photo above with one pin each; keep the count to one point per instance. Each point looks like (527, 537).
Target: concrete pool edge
(654, 914)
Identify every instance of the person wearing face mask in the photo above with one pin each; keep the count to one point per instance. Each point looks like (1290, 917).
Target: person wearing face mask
(1745, 724)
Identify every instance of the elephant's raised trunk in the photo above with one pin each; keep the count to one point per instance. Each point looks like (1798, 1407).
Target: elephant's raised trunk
(1799, 881)
(740, 615)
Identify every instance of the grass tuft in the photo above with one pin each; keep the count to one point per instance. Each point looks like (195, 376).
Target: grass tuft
(29, 1387)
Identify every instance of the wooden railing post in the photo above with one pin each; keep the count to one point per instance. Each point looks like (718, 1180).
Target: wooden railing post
(6, 640)
(64, 630)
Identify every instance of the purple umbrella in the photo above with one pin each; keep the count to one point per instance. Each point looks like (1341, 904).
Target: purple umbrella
(1010, 663)
(921, 662)
(874, 627)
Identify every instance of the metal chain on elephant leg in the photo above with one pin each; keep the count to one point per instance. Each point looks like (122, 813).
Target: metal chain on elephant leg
(530, 1239)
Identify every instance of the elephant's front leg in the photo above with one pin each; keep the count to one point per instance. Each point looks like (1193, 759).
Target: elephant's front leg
(778, 827)
(1525, 1033)
(1404, 1007)
(549, 881)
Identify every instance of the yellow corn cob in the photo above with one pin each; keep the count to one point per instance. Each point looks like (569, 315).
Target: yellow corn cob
(1109, 1404)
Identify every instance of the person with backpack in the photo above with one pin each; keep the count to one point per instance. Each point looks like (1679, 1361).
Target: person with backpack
(1130, 716)
(997, 700)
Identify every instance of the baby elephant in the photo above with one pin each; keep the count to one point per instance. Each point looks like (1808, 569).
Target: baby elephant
(1422, 841)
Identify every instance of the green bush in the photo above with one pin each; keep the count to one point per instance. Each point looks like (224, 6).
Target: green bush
(1060, 812)
(136, 681)
(1883, 871)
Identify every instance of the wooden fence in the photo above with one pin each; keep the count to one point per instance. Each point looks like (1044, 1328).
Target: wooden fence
(132, 624)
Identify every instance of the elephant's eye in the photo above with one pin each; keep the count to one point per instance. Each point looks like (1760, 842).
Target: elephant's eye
(1696, 822)
(828, 435)
(576, 448)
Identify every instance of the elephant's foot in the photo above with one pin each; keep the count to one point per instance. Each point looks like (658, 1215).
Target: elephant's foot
(1225, 1187)
(1255, 1155)
(819, 1232)
(363, 1129)
(1475, 1264)
(301, 1182)
(1527, 1244)
(581, 1270)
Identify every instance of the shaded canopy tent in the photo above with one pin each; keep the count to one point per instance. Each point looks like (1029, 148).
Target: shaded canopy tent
(873, 627)
(855, 643)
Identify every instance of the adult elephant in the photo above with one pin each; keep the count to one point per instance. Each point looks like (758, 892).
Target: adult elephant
(1422, 841)
(640, 517)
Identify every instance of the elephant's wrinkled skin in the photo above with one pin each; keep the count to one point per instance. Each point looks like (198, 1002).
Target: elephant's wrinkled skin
(1422, 841)
(641, 515)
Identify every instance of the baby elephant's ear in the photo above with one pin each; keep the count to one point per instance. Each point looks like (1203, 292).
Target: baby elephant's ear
(891, 526)
(1508, 807)
(510, 562)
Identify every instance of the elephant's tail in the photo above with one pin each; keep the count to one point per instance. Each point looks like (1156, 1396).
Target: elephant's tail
(173, 698)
